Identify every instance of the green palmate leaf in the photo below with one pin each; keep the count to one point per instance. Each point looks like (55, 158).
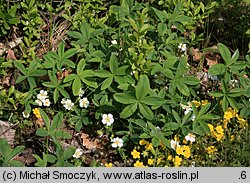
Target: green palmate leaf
(235, 57)
(15, 152)
(57, 121)
(106, 83)
(45, 118)
(217, 69)
(204, 127)
(150, 100)
(233, 103)
(62, 134)
(204, 109)
(76, 86)
(42, 132)
(132, 22)
(68, 153)
(171, 126)
(191, 80)
(146, 111)
(209, 117)
(216, 94)
(113, 64)
(176, 116)
(85, 30)
(5, 148)
(70, 77)
(224, 103)
(69, 53)
(142, 88)
(128, 111)
(183, 88)
(80, 66)
(20, 67)
(61, 50)
(124, 98)
(225, 53)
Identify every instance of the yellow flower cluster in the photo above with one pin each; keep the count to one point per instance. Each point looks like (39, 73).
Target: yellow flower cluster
(183, 150)
(148, 146)
(138, 164)
(217, 133)
(211, 149)
(135, 154)
(108, 165)
(242, 121)
(37, 113)
(201, 103)
(229, 114)
(177, 161)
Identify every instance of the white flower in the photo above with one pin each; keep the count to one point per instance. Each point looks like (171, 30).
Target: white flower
(42, 95)
(107, 119)
(39, 102)
(84, 102)
(193, 117)
(26, 114)
(46, 102)
(63, 101)
(81, 92)
(114, 42)
(68, 104)
(174, 144)
(78, 153)
(233, 83)
(183, 47)
(117, 142)
(190, 137)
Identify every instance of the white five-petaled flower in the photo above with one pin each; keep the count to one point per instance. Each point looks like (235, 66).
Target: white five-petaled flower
(46, 102)
(182, 47)
(190, 137)
(67, 103)
(113, 42)
(26, 114)
(39, 102)
(107, 119)
(78, 153)
(117, 142)
(81, 92)
(42, 95)
(84, 102)
(174, 144)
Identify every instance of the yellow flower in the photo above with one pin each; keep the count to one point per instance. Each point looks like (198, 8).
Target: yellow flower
(135, 154)
(232, 138)
(145, 153)
(211, 149)
(196, 103)
(219, 137)
(228, 115)
(177, 161)
(186, 151)
(179, 150)
(184, 141)
(148, 146)
(143, 142)
(242, 121)
(138, 164)
(158, 161)
(204, 102)
(219, 129)
(108, 165)
(150, 161)
(37, 113)
(170, 157)
(211, 127)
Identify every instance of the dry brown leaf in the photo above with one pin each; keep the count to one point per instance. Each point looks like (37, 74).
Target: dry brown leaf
(10, 55)
(90, 143)
(211, 62)
(197, 55)
(7, 132)
(39, 122)
(26, 157)
(62, 75)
